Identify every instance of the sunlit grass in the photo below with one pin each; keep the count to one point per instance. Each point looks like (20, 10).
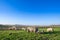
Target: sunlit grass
(24, 35)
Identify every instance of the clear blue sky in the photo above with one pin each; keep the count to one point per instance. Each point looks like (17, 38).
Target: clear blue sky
(30, 12)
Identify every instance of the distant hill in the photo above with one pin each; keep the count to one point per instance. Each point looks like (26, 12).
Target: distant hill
(6, 26)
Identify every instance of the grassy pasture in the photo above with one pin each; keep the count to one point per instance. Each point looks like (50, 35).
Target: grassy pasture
(23, 35)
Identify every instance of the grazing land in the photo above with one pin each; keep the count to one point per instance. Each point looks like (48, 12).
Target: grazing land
(24, 35)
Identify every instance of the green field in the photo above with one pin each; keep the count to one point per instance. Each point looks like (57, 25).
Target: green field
(23, 35)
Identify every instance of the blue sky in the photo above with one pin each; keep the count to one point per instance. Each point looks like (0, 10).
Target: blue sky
(30, 12)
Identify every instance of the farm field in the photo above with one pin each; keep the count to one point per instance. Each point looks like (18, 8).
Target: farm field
(23, 35)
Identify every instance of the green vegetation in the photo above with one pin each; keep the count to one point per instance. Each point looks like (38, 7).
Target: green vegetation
(23, 35)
